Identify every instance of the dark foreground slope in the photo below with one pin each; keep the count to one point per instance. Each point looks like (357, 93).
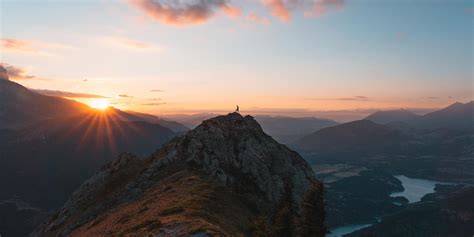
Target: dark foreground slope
(224, 178)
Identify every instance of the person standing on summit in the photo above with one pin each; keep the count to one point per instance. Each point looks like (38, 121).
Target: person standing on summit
(237, 109)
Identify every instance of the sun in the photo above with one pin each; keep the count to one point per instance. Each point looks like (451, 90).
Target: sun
(100, 104)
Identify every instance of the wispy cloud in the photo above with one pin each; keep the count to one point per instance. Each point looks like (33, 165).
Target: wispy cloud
(125, 96)
(154, 104)
(32, 46)
(17, 73)
(130, 44)
(255, 18)
(354, 98)
(156, 90)
(67, 94)
(321, 7)
(182, 13)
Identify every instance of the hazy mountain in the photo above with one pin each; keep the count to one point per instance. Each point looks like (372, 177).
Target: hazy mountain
(388, 116)
(224, 178)
(289, 129)
(189, 120)
(357, 137)
(137, 116)
(455, 116)
(20, 106)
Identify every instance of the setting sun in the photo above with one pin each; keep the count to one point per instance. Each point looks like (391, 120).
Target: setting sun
(100, 104)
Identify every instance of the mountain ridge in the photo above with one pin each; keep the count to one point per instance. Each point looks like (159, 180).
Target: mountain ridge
(228, 156)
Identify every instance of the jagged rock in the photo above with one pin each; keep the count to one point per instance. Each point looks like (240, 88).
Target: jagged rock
(215, 180)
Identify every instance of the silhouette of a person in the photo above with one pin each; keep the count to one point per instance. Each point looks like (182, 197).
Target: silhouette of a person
(237, 109)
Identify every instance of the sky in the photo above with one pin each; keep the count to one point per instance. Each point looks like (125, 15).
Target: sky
(288, 57)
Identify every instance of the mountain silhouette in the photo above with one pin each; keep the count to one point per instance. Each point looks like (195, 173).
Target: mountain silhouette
(388, 116)
(455, 116)
(357, 137)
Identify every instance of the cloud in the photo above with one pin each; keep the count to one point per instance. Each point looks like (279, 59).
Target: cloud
(321, 7)
(354, 98)
(252, 17)
(17, 45)
(282, 9)
(279, 8)
(31, 46)
(154, 104)
(125, 96)
(157, 91)
(131, 44)
(193, 12)
(182, 13)
(17, 73)
(67, 94)
(155, 99)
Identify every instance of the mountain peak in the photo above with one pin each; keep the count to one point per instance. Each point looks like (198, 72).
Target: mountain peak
(231, 121)
(226, 163)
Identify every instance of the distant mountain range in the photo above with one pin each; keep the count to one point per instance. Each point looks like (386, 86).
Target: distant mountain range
(455, 116)
(289, 129)
(438, 145)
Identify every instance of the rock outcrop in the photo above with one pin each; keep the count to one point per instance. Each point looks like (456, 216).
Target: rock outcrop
(218, 179)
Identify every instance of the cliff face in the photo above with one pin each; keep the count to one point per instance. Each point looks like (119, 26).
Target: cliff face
(218, 179)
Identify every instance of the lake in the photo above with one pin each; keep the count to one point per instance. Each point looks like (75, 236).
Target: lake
(415, 189)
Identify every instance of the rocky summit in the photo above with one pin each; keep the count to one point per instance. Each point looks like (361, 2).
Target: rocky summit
(224, 178)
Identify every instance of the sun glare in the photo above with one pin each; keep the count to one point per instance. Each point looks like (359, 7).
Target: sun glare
(100, 104)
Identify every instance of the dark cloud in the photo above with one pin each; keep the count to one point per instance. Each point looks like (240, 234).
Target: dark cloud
(125, 96)
(67, 94)
(17, 73)
(185, 12)
(3, 73)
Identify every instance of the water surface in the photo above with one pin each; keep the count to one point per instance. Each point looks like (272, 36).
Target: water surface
(343, 230)
(415, 189)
